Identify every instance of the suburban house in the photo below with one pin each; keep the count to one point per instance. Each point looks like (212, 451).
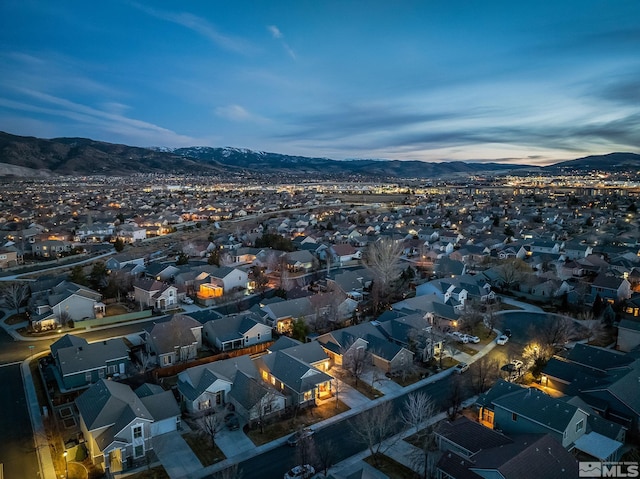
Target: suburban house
(51, 248)
(204, 388)
(162, 272)
(174, 341)
(572, 422)
(80, 363)
(65, 301)
(10, 256)
(151, 293)
(254, 400)
(119, 424)
(215, 282)
(95, 232)
(628, 334)
(281, 315)
(385, 354)
(236, 332)
(300, 261)
(470, 451)
(299, 381)
(610, 288)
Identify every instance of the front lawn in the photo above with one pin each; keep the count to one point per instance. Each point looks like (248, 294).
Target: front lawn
(287, 426)
(390, 467)
(16, 319)
(201, 447)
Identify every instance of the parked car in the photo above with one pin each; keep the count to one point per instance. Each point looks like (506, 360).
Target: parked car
(300, 472)
(473, 339)
(231, 421)
(502, 340)
(461, 368)
(187, 300)
(461, 338)
(507, 333)
(295, 438)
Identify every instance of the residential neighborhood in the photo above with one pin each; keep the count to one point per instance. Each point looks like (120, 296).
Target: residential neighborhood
(218, 322)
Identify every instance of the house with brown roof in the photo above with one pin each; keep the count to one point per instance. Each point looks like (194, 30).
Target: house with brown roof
(151, 293)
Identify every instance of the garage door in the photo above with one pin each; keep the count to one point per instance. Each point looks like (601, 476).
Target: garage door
(164, 426)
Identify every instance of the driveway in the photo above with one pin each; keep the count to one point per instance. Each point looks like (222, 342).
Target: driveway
(176, 456)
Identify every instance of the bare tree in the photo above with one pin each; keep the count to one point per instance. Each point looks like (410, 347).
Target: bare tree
(231, 472)
(454, 398)
(555, 331)
(211, 424)
(418, 408)
(483, 373)
(490, 318)
(356, 360)
(418, 413)
(373, 427)
(15, 296)
(326, 456)
(512, 271)
(470, 317)
(306, 451)
(382, 258)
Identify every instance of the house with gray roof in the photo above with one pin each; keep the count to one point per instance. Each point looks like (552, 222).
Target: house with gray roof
(65, 301)
(525, 457)
(79, 364)
(610, 288)
(531, 411)
(174, 341)
(236, 332)
(255, 400)
(151, 293)
(119, 425)
(300, 382)
(205, 387)
(386, 354)
(628, 334)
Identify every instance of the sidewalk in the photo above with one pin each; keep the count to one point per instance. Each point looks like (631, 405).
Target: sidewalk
(235, 448)
(358, 404)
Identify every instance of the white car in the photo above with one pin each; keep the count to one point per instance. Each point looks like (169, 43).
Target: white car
(502, 340)
(300, 472)
(187, 300)
(461, 368)
(472, 339)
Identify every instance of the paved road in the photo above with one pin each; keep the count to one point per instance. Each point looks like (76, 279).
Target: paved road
(274, 463)
(18, 451)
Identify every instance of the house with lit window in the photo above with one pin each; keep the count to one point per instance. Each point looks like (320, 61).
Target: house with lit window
(514, 409)
(236, 332)
(301, 383)
(151, 293)
(118, 424)
(204, 388)
(610, 288)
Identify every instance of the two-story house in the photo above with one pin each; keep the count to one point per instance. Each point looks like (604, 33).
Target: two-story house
(119, 425)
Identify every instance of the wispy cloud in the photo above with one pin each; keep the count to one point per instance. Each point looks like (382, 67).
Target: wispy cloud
(238, 113)
(200, 26)
(277, 34)
(102, 120)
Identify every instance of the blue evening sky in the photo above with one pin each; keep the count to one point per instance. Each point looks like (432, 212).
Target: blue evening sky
(513, 81)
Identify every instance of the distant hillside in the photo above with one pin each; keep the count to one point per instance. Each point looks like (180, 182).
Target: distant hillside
(610, 162)
(31, 157)
(81, 156)
(286, 164)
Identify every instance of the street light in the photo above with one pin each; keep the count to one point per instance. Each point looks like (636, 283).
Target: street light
(66, 466)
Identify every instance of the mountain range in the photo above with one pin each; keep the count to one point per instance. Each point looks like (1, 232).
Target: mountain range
(22, 156)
